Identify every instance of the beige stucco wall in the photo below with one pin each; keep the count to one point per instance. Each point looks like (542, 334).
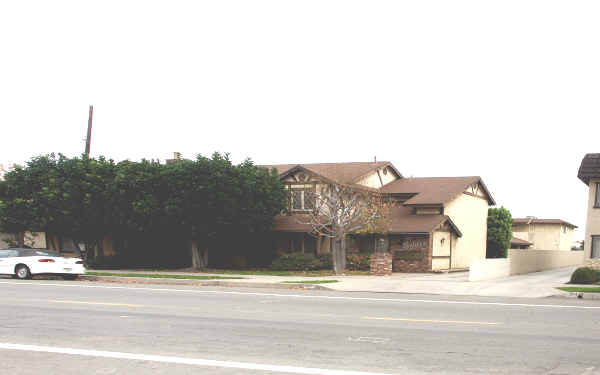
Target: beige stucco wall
(372, 179)
(592, 226)
(545, 236)
(441, 248)
(526, 261)
(469, 213)
(566, 238)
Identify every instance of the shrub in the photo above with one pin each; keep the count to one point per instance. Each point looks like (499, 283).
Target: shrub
(584, 275)
(499, 233)
(295, 262)
(358, 262)
(325, 261)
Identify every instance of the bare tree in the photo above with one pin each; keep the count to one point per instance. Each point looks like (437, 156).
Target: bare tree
(342, 209)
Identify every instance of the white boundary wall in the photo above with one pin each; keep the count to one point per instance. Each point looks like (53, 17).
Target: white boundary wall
(526, 261)
(523, 261)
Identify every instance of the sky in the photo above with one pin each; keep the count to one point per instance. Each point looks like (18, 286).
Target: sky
(507, 90)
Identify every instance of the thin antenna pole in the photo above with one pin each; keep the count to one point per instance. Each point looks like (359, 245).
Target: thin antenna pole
(88, 139)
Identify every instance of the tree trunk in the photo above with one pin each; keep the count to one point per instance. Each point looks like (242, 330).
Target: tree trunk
(339, 255)
(199, 256)
(20, 239)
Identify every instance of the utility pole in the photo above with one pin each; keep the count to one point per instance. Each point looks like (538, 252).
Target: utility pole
(88, 139)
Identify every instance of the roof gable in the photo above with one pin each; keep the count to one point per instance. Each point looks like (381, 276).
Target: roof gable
(341, 173)
(436, 190)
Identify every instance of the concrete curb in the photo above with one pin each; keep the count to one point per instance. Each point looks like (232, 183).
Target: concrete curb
(192, 282)
(579, 295)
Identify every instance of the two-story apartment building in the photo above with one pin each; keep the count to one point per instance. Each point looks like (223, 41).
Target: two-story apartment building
(543, 234)
(436, 223)
(589, 173)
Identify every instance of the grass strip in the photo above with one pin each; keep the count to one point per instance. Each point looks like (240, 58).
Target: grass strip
(580, 289)
(161, 276)
(311, 282)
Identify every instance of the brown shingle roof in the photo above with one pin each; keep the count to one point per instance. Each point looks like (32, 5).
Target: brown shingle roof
(518, 241)
(292, 223)
(589, 168)
(433, 190)
(342, 173)
(404, 221)
(542, 221)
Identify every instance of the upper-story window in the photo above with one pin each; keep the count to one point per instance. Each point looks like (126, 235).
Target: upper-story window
(303, 197)
(597, 201)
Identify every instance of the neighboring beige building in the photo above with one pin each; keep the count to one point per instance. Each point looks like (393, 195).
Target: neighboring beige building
(544, 234)
(437, 223)
(589, 173)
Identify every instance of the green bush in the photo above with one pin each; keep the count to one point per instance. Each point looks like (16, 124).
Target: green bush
(358, 262)
(584, 275)
(325, 261)
(309, 262)
(296, 262)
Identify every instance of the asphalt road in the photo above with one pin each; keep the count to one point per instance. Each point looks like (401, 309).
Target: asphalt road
(58, 327)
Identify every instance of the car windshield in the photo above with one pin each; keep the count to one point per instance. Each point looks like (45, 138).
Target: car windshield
(39, 252)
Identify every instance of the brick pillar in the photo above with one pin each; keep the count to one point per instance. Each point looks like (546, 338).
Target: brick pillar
(381, 264)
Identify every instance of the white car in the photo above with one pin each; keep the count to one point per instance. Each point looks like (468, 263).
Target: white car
(24, 263)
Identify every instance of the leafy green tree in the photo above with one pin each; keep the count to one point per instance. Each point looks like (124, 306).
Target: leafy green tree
(499, 232)
(64, 196)
(143, 205)
(212, 202)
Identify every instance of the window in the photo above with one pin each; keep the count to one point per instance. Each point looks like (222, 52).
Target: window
(597, 201)
(595, 247)
(8, 253)
(303, 198)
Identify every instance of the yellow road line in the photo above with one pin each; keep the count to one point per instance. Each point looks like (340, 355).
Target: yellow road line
(430, 321)
(96, 303)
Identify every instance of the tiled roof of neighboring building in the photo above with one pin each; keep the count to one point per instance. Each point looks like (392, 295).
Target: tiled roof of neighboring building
(542, 221)
(589, 168)
(342, 173)
(518, 241)
(433, 190)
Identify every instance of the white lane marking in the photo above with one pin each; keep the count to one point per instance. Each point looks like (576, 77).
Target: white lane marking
(307, 296)
(372, 340)
(182, 360)
(95, 303)
(431, 321)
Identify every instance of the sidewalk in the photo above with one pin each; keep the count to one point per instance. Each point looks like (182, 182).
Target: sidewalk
(533, 285)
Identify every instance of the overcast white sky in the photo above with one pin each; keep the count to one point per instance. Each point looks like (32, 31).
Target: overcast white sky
(508, 90)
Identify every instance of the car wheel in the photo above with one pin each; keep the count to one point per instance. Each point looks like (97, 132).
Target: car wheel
(70, 277)
(22, 272)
